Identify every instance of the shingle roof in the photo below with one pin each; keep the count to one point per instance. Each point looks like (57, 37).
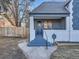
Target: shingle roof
(50, 8)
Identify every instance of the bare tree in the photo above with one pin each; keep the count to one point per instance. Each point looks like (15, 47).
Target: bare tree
(16, 10)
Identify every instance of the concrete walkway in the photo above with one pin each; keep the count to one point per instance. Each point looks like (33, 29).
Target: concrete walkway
(36, 52)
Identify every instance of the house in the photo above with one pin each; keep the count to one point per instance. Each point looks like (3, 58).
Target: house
(59, 21)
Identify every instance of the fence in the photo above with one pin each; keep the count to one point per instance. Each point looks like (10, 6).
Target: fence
(14, 32)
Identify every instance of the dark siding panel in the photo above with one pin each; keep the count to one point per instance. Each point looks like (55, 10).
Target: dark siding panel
(76, 14)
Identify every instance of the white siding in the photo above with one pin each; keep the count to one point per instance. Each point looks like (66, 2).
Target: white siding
(32, 31)
(62, 35)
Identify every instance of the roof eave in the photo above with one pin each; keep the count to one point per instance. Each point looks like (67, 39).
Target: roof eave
(49, 13)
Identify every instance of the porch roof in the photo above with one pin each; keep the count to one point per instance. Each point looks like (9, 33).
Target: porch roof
(50, 8)
(49, 16)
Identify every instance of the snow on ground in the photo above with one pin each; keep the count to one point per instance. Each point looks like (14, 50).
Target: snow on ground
(36, 52)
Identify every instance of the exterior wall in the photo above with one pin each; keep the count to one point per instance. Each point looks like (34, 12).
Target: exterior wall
(74, 23)
(75, 14)
(32, 31)
(61, 35)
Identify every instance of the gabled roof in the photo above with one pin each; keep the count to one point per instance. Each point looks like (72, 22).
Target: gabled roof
(51, 8)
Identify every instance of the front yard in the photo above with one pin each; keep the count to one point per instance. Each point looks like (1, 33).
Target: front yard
(66, 52)
(9, 48)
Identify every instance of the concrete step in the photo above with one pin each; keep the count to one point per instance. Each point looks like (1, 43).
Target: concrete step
(39, 41)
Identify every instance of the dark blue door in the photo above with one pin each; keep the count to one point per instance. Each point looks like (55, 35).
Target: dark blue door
(39, 29)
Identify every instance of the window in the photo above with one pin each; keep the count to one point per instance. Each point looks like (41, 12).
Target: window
(45, 24)
(57, 24)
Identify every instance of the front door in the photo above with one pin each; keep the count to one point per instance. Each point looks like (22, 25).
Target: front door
(39, 29)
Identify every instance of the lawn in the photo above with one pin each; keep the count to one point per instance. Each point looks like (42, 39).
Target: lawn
(66, 52)
(9, 48)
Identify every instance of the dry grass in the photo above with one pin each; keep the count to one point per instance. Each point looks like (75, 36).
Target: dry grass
(66, 52)
(9, 49)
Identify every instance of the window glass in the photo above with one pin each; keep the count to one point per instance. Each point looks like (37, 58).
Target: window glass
(45, 24)
(50, 24)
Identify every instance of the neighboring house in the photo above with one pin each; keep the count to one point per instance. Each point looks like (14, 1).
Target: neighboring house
(56, 18)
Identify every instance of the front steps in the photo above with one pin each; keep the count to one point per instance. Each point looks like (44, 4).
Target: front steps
(39, 41)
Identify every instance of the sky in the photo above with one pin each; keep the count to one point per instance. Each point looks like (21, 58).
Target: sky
(38, 2)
